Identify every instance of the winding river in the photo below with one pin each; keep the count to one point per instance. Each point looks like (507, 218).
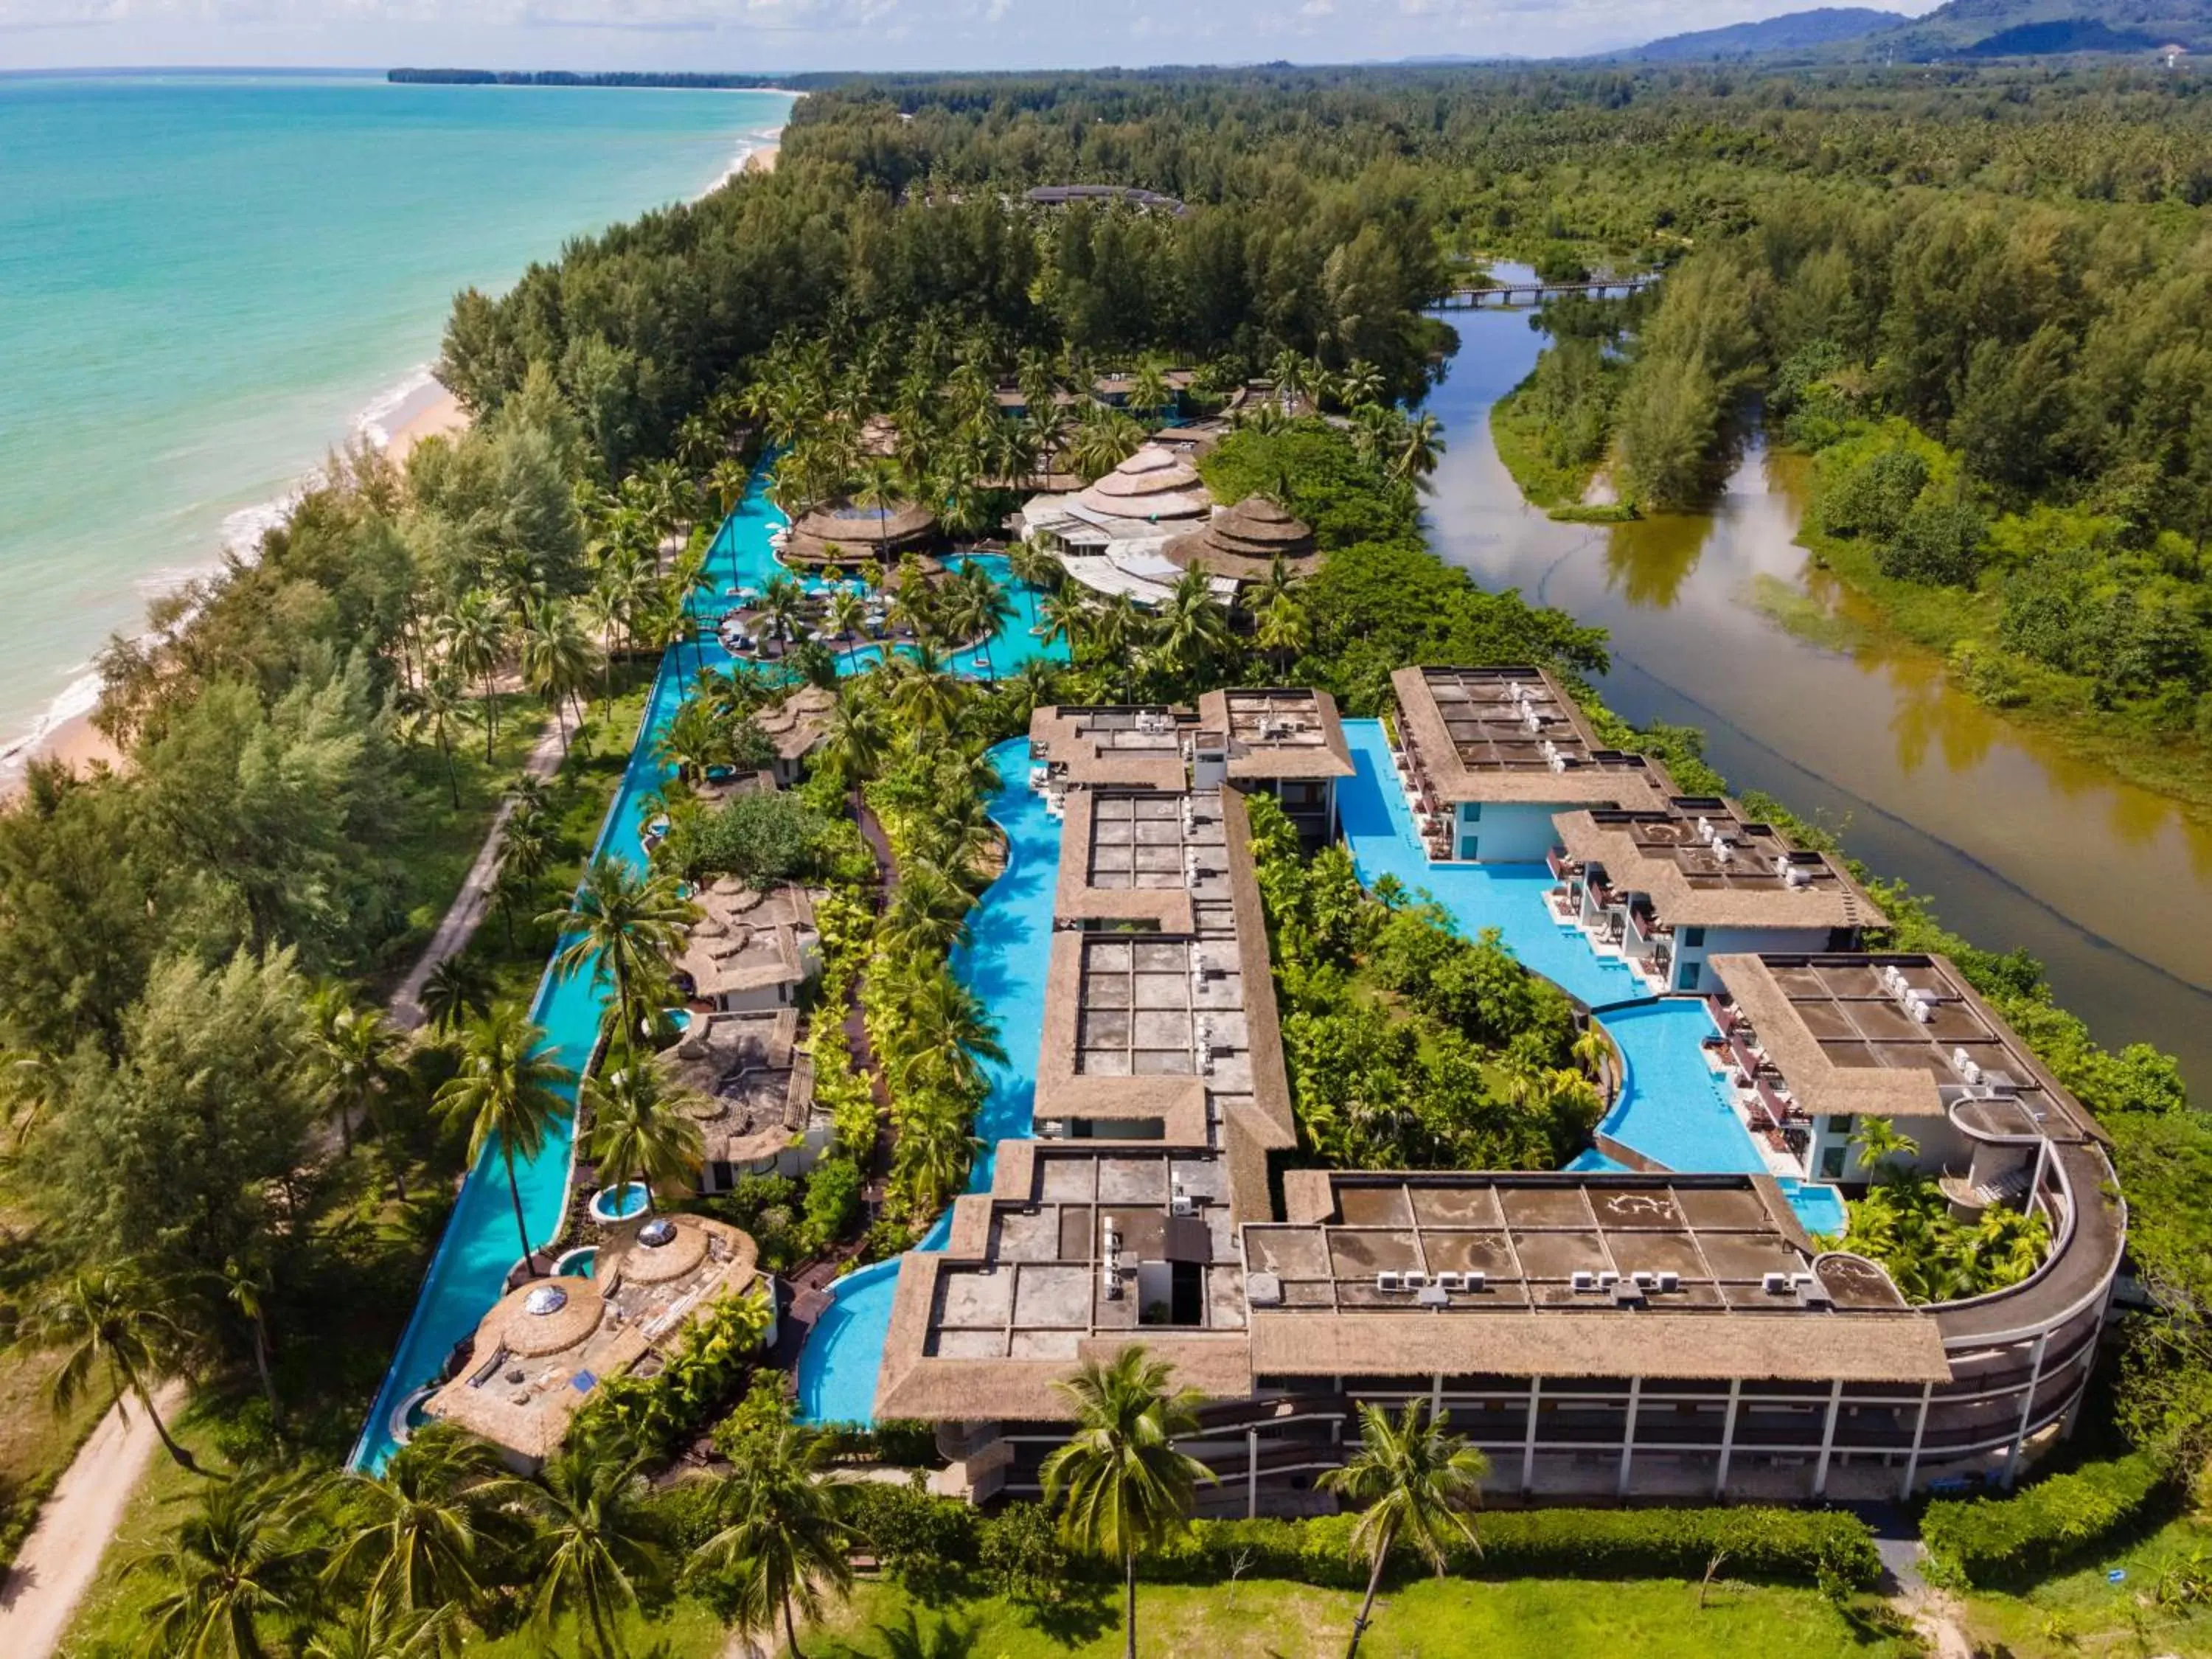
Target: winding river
(2021, 845)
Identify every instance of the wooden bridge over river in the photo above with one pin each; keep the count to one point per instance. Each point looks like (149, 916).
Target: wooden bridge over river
(1513, 293)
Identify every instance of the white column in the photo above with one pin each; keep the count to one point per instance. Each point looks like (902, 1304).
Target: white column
(2026, 1408)
(1628, 1436)
(1919, 1433)
(1827, 1440)
(1437, 1397)
(1528, 1445)
(1251, 1473)
(1728, 1436)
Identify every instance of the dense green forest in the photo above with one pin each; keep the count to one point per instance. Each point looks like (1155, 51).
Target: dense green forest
(198, 942)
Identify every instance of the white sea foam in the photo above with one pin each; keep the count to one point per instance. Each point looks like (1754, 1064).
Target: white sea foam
(391, 408)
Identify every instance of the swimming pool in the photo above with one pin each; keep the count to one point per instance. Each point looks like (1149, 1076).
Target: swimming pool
(1671, 1108)
(1378, 826)
(480, 1245)
(1004, 961)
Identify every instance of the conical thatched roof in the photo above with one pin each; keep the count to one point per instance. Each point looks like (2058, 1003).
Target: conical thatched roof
(1244, 541)
(1152, 483)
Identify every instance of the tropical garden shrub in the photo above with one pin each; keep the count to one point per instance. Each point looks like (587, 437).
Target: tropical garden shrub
(1987, 1541)
(652, 1413)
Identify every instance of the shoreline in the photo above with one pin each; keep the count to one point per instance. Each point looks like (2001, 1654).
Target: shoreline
(413, 408)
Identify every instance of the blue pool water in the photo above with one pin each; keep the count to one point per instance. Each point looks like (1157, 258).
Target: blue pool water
(481, 1245)
(1003, 960)
(1820, 1208)
(621, 1203)
(1379, 828)
(1671, 1107)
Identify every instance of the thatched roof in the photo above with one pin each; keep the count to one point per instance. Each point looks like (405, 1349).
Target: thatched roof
(1152, 483)
(844, 531)
(1244, 541)
(798, 722)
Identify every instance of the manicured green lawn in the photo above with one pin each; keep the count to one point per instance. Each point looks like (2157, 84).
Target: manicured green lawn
(2082, 1612)
(1264, 1619)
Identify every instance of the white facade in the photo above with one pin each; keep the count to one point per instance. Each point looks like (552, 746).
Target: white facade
(1504, 832)
(1693, 944)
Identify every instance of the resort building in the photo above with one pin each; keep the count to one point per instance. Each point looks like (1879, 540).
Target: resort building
(846, 533)
(1599, 1334)
(1245, 543)
(544, 1346)
(795, 726)
(1488, 757)
(756, 1085)
(1111, 536)
(748, 950)
(1668, 888)
(1284, 741)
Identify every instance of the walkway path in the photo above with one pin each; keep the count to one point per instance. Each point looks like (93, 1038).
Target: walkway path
(473, 902)
(58, 1559)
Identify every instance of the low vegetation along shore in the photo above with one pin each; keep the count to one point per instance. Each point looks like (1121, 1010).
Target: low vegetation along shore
(228, 1163)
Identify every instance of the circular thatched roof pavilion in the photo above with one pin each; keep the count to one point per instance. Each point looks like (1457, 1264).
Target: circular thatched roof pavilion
(842, 532)
(1243, 542)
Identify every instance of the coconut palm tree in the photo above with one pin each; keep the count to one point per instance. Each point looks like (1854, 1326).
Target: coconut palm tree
(881, 485)
(457, 989)
(229, 1565)
(506, 1093)
(374, 1629)
(726, 481)
(357, 1054)
(854, 742)
(1294, 377)
(557, 659)
(639, 1123)
(928, 913)
(980, 609)
(935, 1148)
(1414, 1483)
(1285, 631)
(1066, 615)
(624, 925)
(1420, 446)
(847, 614)
(783, 607)
(473, 635)
(1124, 1486)
(1193, 628)
(111, 1320)
(1360, 383)
(592, 1556)
(693, 740)
(781, 1530)
(1884, 1150)
(1149, 391)
(435, 704)
(1036, 684)
(949, 1037)
(926, 693)
(425, 1532)
(245, 1283)
(1035, 567)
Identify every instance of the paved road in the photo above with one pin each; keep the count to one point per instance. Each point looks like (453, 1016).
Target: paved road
(58, 1559)
(473, 902)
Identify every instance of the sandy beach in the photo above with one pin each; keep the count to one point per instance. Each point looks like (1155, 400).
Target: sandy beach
(78, 744)
(763, 159)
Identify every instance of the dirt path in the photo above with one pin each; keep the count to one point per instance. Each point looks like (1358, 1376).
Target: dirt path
(471, 903)
(63, 1552)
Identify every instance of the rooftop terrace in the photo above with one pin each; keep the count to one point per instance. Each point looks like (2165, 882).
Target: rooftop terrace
(1281, 731)
(1894, 1036)
(1512, 734)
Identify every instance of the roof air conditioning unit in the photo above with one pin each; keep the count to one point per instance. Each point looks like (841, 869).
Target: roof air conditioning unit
(1647, 1280)
(1415, 1279)
(1584, 1279)
(1607, 1279)
(1670, 1281)
(1774, 1284)
(1473, 1281)
(1386, 1281)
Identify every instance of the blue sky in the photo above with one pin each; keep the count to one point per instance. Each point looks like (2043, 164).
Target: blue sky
(833, 34)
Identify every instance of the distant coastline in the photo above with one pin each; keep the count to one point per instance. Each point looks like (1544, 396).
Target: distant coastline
(624, 78)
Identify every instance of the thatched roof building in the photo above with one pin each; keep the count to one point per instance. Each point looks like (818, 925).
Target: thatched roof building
(1151, 485)
(841, 532)
(1243, 542)
(546, 1345)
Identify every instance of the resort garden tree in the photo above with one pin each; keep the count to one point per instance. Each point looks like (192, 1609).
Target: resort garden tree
(592, 1555)
(429, 1532)
(622, 925)
(235, 1563)
(1415, 1484)
(1123, 1486)
(114, 1324)
(358, 1060)
(640, 1123)
(473, 637)
(782, 1546)
(506, 1093)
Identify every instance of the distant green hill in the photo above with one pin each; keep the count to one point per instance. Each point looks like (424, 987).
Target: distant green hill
(1793, 31)
(1961, 29)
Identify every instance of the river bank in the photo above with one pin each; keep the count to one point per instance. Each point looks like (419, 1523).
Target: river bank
(2027, 845)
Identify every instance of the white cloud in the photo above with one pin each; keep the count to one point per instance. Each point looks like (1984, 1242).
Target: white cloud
(771, 36)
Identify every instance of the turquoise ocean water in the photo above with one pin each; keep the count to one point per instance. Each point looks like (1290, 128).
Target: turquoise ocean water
(205, 283)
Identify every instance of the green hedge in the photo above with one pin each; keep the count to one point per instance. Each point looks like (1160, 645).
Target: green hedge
(1792, 1545)
(1983, 1541)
